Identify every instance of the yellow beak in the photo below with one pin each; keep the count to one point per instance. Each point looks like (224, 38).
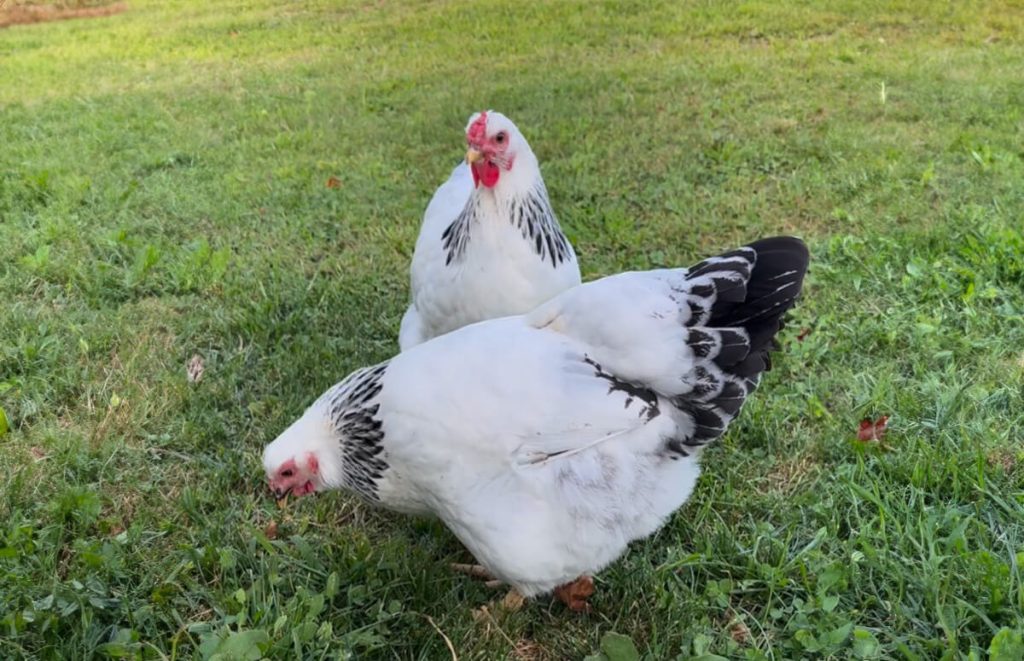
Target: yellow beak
(472, 156)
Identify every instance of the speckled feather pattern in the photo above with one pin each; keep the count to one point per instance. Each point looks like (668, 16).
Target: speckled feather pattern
(352, 407)
(530, 213)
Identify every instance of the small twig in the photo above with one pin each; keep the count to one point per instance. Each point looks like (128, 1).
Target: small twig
(447, 640)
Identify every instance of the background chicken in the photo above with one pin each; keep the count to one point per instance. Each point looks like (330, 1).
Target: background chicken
(490, 245)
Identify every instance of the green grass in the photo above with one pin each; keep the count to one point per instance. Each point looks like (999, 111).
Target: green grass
(162, 194)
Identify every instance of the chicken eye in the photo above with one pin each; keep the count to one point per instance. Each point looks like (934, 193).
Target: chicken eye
(286, 473)
(500, 138)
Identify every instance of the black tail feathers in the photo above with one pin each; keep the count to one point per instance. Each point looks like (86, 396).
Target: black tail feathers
(779, 265)
(737, 301)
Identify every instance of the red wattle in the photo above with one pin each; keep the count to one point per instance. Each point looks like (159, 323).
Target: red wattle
(486, 173)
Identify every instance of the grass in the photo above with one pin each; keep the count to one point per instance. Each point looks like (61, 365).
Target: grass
(163, 195)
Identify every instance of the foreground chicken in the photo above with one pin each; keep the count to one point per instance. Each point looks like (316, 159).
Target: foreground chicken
(547, 442)
(490, 245)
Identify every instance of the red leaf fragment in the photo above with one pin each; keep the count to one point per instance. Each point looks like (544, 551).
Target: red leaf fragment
(802, 335)
(333, 182)
(271, 530)
(872, 431)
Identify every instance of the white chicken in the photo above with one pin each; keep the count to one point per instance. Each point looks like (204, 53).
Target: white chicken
(490, 245)
(547, 442)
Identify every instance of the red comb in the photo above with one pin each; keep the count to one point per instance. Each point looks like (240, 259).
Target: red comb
(478, 129)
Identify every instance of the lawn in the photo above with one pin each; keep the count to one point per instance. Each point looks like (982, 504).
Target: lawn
(244, 181)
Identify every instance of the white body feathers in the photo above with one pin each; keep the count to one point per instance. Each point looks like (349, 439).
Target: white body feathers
(547, 442)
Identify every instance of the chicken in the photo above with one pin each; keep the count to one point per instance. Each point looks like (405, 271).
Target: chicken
(547, 442)
(490, 245)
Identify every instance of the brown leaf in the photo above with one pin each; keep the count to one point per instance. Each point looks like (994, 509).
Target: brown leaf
(37, 453)
(575, 594)
(802, 335)
(513, 601)
(740, 632)
(872, 431)
(333, 182)
(271, 530)
(195, 369)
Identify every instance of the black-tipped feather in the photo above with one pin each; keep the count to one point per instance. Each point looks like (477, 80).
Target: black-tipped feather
(736, 303)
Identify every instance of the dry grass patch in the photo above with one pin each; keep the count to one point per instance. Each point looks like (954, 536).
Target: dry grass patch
(22, 13)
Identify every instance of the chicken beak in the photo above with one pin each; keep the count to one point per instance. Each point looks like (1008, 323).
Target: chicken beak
(473, 155)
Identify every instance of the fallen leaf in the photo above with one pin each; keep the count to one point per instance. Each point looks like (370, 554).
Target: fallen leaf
(271, 530)
(575, 594)
(195, 369)
(872, 431)
(740, 632)
(333, 182)
(513, 601)
(38, 454)
(802, 335)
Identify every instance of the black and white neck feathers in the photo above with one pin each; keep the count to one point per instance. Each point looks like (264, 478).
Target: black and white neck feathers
(352, 407)
(529, 211)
